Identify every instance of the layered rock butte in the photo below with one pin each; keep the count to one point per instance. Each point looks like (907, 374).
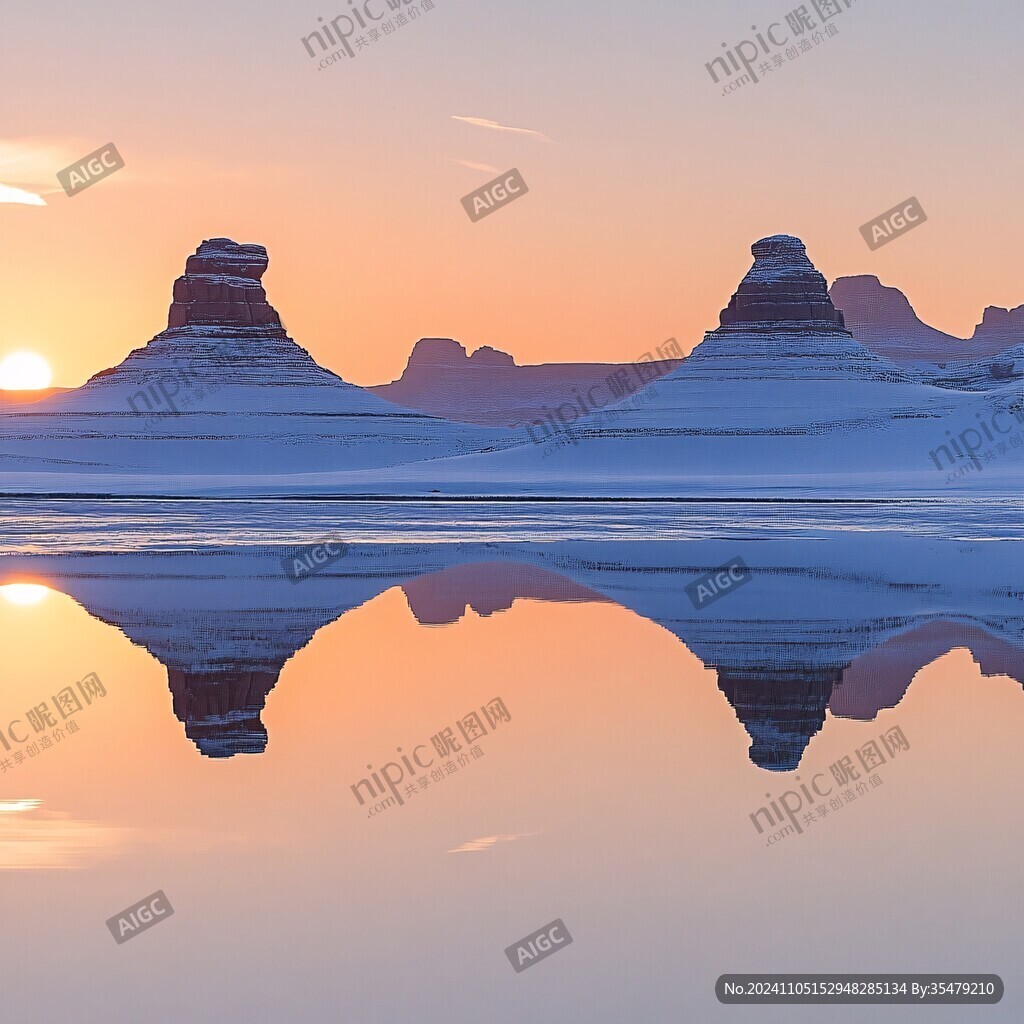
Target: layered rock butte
(223, 337)
(781, 323)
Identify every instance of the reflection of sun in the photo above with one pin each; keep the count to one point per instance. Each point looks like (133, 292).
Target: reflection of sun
(24, 593)
(16, 806)
(24, 371)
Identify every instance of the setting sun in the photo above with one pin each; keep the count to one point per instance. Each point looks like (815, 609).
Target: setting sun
(24, 371)
(24, 593)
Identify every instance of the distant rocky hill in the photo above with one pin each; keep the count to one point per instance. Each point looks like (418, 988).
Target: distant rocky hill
(882, 319)
(487, 387)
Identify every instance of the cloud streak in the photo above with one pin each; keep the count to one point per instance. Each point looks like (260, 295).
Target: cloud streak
(479, 845)
(476, 167)
(10, 194)
(483, 122)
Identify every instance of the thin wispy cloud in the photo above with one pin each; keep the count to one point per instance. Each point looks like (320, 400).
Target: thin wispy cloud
(494, 126)
(10, 194)
(487, 842)
(28, 168)
(476, 167)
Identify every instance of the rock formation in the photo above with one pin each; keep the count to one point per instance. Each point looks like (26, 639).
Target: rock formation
(781, 710)
(224, 349)
(221, 285)
(999, 330)
(221, 709)
(781, 286)
(882, 319)
(781, 323)
(489, 388)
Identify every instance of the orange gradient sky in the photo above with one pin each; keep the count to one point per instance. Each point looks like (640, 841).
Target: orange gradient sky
(642, 206)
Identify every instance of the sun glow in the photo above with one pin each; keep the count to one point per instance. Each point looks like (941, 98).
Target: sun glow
(17, 806)
(24, 371)
(24, 593)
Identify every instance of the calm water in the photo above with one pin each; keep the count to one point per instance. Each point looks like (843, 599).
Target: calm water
(633, 780)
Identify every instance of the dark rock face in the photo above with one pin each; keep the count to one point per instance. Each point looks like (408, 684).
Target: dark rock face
(780, 709)
(221, 285)
(782, 285)
(221, 710)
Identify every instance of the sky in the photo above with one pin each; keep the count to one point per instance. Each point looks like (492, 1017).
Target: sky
(647, 185)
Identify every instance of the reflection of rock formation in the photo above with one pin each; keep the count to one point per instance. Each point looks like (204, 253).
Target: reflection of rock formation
(225, 624)
(841, 625)
(487, 587)
(800, 637)
(221, 710)
(880, 678)
(780, 710)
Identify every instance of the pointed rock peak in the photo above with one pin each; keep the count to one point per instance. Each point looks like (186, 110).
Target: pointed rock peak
(221, 287)
(782, 285)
